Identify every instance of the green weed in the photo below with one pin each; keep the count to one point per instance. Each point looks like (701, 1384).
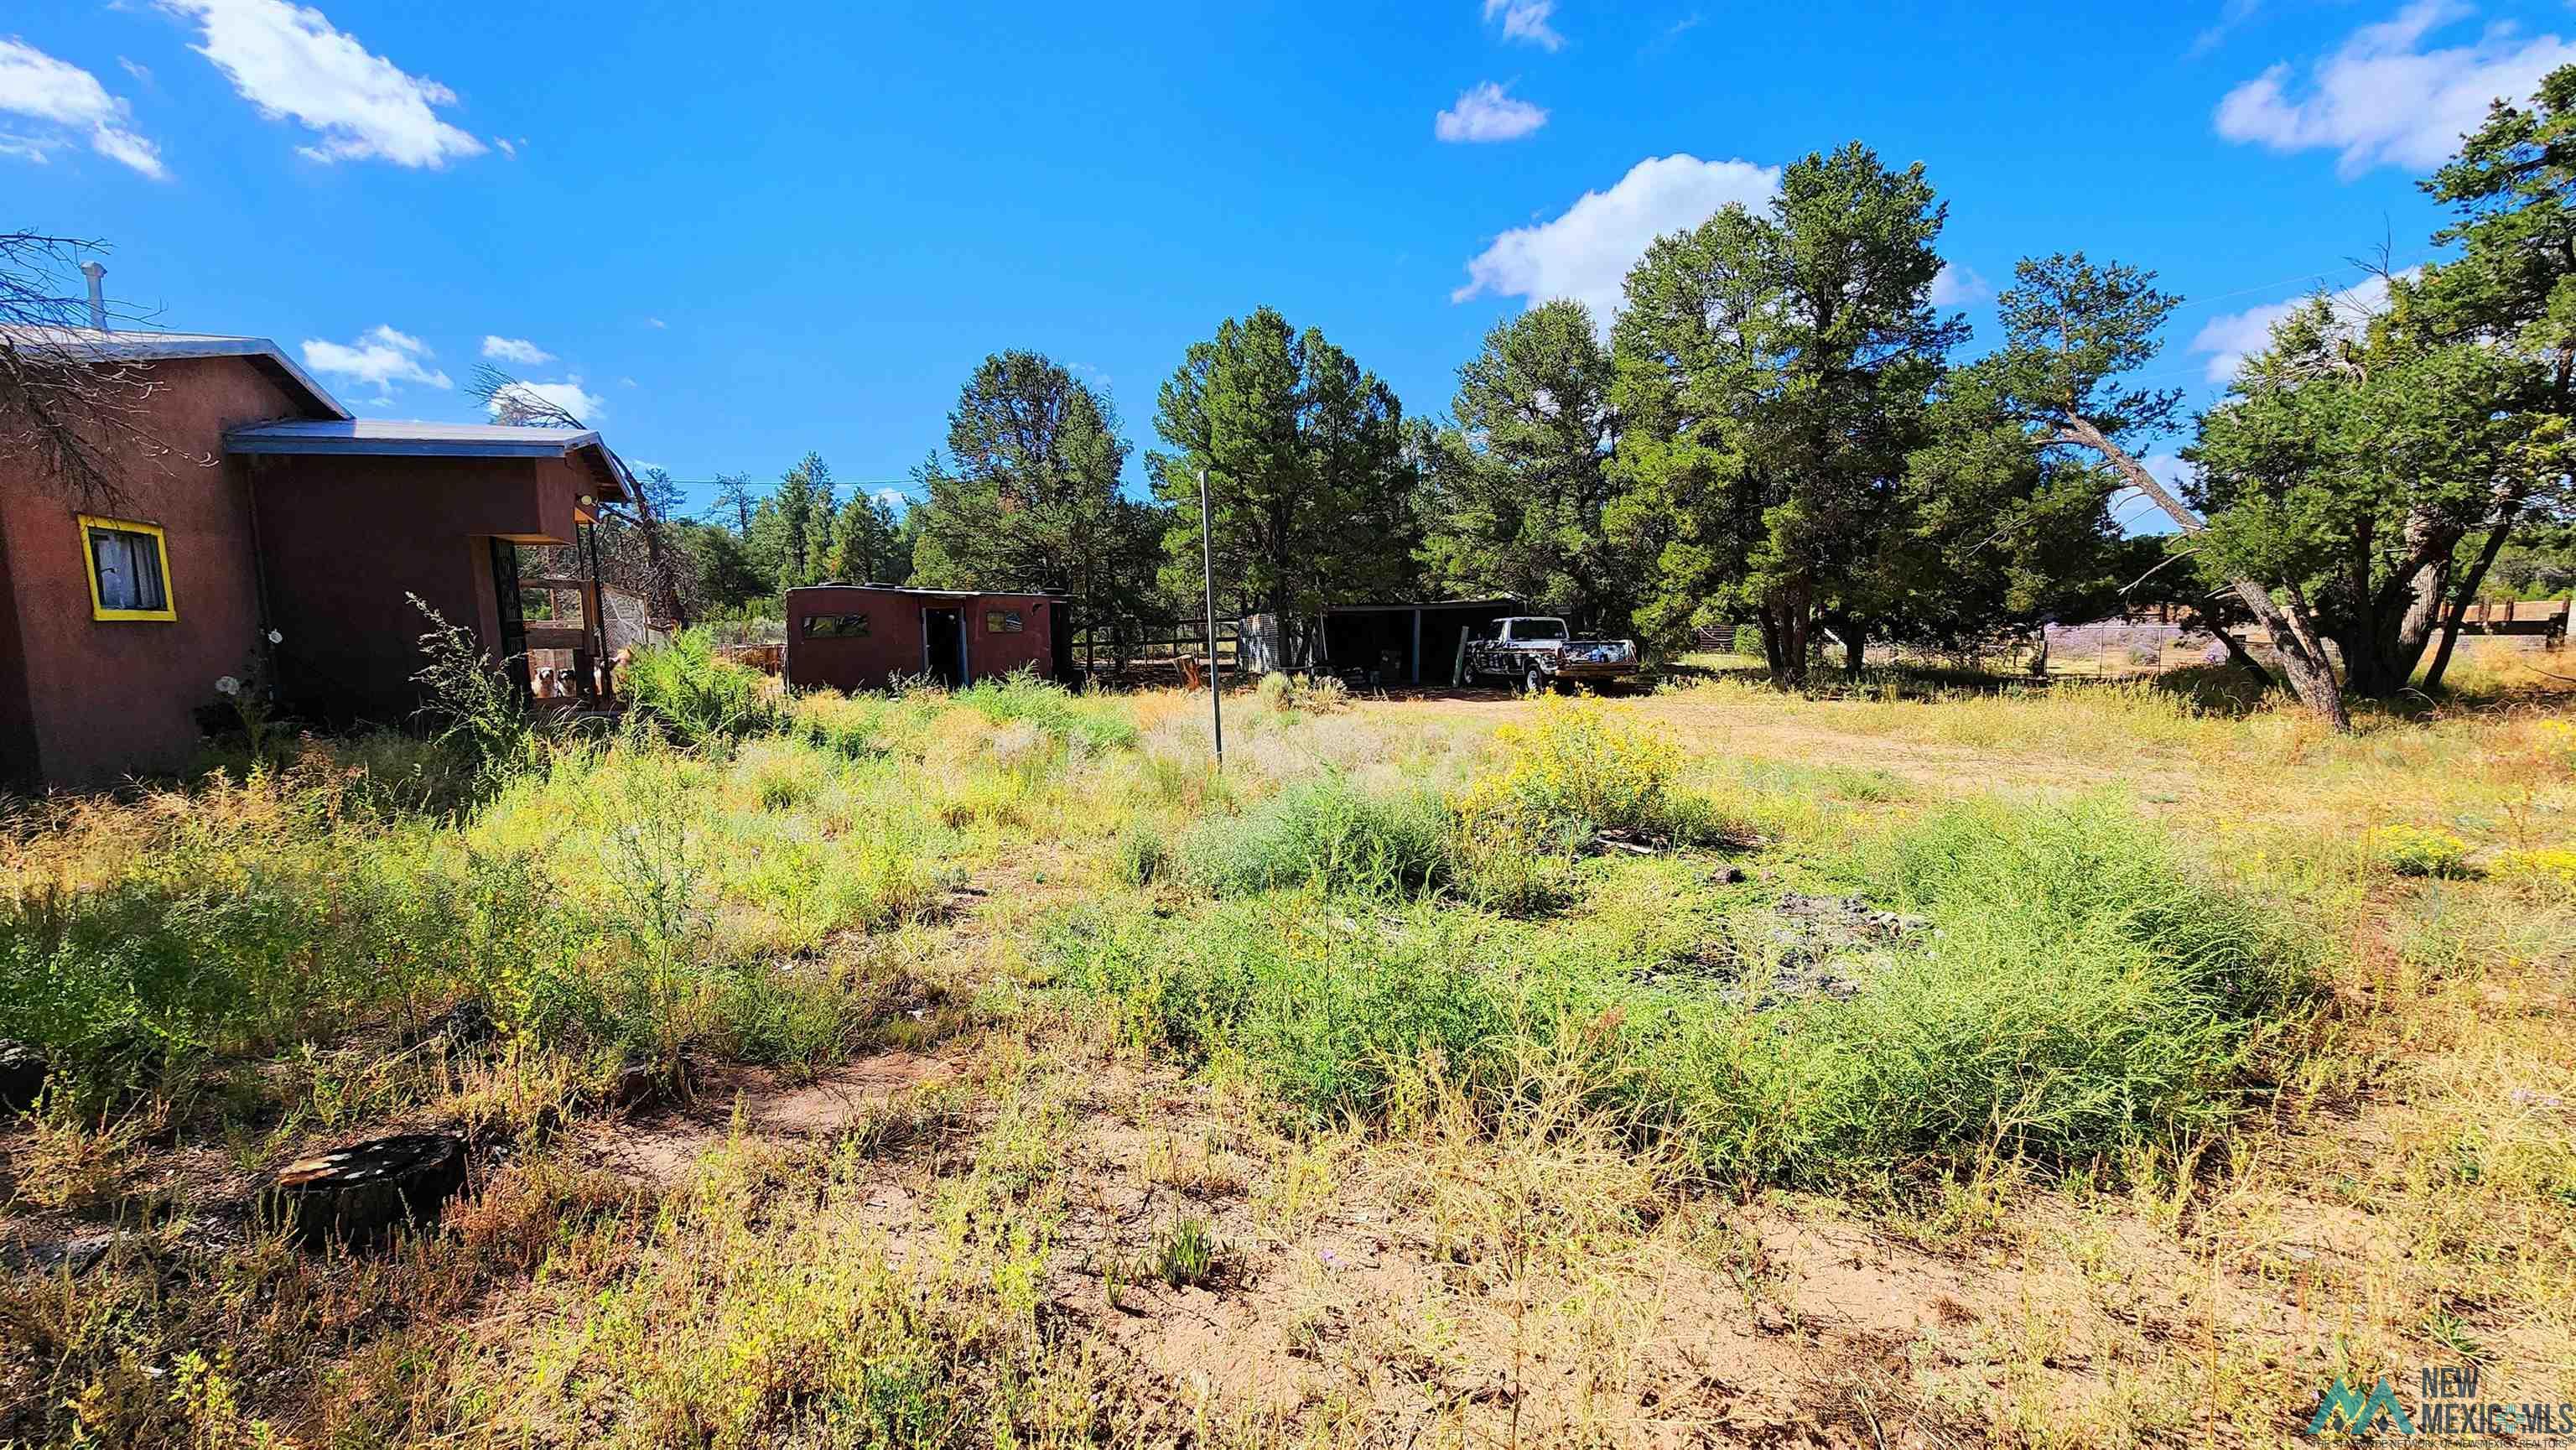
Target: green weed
(697, 694)
(1327, 832)
(1021, 697)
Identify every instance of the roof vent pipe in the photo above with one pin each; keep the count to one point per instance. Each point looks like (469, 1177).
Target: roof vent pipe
(97, 295)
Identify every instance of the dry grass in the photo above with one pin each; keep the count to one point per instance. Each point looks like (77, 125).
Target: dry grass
(963, 1200)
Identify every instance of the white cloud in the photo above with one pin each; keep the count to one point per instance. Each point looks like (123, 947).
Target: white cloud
(1586, 253)
(36, 85)
(1488, 113)
(512, 404)
(288, 60)
(1958, 285)
(891, 497)
(381, 356)
(515, 350)
(2229, 337)
(2230, 16)
(655, 323)
(1527, 20)
(2379, 100)
(625, 382)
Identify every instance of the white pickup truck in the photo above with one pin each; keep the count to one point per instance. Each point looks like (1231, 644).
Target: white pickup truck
(1538, 653)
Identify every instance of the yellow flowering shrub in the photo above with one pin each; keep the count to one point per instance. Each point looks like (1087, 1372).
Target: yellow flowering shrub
(2557, 741)
(2552, 866)
(1575, 764)
(2419, 851)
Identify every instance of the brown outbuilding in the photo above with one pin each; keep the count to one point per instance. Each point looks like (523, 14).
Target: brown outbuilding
(868, 636)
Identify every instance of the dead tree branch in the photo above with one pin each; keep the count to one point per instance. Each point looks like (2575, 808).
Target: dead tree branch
(72, 402)
(513, 401)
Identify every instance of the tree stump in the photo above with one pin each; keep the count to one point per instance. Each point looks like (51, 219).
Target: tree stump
(364, 1191)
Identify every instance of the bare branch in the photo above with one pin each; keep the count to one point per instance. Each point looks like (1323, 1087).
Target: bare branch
(70, 401)
(2174, 557)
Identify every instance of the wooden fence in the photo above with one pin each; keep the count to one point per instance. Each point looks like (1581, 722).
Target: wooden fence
(1154, 646)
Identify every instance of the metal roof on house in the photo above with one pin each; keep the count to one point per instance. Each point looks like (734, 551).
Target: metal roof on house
(392, 438)
(340, 432)
(111, 346)
(383, 436)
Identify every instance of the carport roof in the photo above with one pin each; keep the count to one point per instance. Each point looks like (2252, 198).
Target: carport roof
(1426, 605)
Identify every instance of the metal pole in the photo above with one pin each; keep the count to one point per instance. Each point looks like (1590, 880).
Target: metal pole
(1207, 572)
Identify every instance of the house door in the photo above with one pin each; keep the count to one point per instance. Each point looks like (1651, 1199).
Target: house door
(943, 646)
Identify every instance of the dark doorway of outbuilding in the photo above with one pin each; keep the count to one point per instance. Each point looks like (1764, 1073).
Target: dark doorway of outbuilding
(513, 642)
(943, 646)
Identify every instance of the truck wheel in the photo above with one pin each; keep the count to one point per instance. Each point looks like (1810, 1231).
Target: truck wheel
(1532, 681)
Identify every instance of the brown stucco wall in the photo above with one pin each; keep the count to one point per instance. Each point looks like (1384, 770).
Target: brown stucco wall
(85, 701)
(999, 654)
(18, 763)
(893, 645)
(347, 538)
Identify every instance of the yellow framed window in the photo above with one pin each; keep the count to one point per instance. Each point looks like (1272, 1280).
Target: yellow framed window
(129, 570)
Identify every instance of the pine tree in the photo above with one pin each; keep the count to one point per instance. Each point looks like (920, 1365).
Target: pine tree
(1774, 373)
(1030, 495)
(1310, 484)
(864, 543)
(1516, 487)
(799, 509)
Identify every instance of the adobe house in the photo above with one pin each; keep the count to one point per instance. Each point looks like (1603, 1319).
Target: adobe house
(272, 509)
(866, 636)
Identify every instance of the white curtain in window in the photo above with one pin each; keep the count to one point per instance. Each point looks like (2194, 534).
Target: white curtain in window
(129, 569)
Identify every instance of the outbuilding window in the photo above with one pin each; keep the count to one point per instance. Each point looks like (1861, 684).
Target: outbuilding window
(836, 626)
(129, 570)
(1001, 621)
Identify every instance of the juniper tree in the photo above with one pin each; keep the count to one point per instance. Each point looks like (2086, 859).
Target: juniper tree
(2512, 192)
(2353, 460)
(2074, 337)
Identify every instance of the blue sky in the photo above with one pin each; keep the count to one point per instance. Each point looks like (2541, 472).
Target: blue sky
(730, 234)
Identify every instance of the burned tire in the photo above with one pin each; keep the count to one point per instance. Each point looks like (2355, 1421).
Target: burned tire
(365, 1191)
(22, 1075)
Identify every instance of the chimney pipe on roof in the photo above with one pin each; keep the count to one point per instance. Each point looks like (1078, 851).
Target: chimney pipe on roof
(97, 295)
